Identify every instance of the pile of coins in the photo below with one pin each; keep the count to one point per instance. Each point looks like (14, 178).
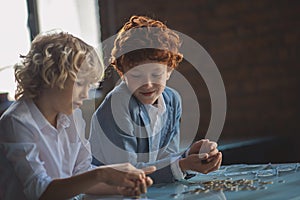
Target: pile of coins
(227, 185)
(231, 185)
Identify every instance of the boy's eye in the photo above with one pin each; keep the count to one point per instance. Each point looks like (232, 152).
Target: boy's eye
(157, 75)
(135, 75)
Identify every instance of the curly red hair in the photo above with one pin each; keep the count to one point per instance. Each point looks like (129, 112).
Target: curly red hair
(143, 39)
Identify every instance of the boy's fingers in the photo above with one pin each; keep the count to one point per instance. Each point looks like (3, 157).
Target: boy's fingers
(203, 156)
(149, 170)
(213, 152)
(213, 145)
(129, 183)
(218, 161)
(149, 181)
(126, 191)
(211, 158)
(208, 146)
(136, 175)
(199, 143)
(196, 146)
(143, 187)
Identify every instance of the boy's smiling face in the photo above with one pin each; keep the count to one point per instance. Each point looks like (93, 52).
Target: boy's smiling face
(147, 81)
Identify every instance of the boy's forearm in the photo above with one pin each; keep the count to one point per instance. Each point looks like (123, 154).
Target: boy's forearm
(83, 183)
(102, 189)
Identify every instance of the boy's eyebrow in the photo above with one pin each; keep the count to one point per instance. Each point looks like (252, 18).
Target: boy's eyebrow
(135, 69)
(155, 67)
(158, 69)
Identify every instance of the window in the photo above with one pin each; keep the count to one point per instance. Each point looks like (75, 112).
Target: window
(14, 40)
(78, 17)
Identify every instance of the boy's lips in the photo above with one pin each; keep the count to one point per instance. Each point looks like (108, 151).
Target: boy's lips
(77, 104)
(147, 93)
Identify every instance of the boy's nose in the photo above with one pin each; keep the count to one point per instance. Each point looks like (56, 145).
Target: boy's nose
(148, 82)
(84, 93)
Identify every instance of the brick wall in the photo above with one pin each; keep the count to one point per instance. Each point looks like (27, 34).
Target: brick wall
(255, 44)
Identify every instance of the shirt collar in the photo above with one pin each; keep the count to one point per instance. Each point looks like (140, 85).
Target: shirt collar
(160, 107)
(62, 119)
(161, 104)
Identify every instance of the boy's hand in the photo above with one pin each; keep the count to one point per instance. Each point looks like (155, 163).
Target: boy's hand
(125, 174)
(205, 149)
(202, 146)
(203, 157)
(147, 182)
(137, 191)
(141, 186)
(195, 163)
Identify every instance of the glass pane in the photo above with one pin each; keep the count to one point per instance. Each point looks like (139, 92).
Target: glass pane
(14, 40)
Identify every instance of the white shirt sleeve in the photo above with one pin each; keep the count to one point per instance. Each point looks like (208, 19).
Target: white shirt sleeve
(177, 173)
(84, 158)
(20, 150)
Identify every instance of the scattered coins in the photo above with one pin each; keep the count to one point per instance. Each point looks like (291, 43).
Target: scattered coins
(226, 185)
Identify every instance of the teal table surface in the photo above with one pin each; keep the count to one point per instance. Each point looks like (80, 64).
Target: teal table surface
(264, 181)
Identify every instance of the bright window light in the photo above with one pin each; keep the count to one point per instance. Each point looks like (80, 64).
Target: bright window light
(14, 40)
(78, 17)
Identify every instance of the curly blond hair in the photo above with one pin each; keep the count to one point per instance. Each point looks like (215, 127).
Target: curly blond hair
(53, 57)
(144, 39)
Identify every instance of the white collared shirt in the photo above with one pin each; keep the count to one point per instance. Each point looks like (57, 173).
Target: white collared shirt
(156, 114)
(33, 152)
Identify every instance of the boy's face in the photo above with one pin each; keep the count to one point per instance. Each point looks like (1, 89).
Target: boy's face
(71, 96)
(147, 81)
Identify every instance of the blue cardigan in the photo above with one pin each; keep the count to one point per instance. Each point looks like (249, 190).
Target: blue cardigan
(120, 132)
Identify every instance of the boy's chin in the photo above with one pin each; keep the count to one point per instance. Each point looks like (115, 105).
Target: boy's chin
(69, 112)
(143, 101)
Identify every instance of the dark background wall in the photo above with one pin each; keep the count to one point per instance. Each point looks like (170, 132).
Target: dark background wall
(256, 46)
